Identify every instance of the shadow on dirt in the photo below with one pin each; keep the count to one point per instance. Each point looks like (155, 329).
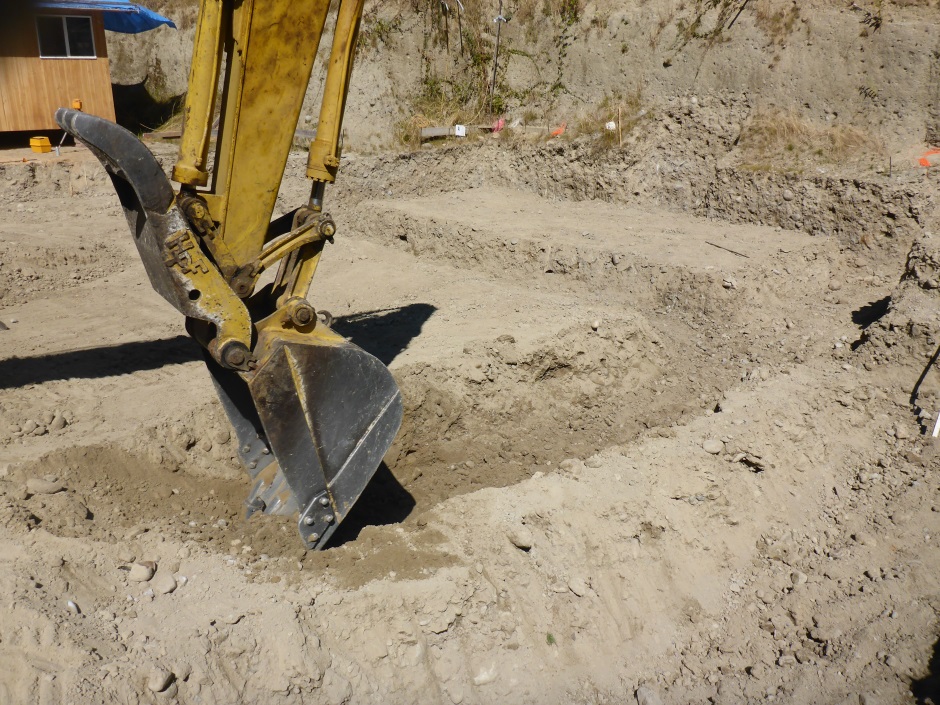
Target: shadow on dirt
(90, 363)
(927, 689)
(869, 313)
(387, 332)
(384, 501)
(383, 333)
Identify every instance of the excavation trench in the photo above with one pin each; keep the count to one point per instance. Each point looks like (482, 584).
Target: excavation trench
(492, 416)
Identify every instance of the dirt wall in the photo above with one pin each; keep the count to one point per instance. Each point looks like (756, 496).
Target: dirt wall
(824, 60)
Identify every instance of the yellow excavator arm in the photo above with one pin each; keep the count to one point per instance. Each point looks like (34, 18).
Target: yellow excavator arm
(313, 413)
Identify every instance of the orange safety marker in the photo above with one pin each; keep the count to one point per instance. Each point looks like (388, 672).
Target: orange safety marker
(923, 161)
(561, 130)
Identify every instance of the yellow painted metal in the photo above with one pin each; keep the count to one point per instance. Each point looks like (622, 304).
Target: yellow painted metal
(270, 56)
(269, 48)
(191, 166)
(306, 267)
(226, 311)
(324, 150)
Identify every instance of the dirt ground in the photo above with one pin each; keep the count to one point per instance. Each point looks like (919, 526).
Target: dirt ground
(653, 450)
(668, 403)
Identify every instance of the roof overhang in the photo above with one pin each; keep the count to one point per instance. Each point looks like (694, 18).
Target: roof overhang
(119, 15)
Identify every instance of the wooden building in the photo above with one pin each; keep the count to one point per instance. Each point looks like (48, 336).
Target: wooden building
(54, 53)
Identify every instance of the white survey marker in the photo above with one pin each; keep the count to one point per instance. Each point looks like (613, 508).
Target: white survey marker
(936, 427)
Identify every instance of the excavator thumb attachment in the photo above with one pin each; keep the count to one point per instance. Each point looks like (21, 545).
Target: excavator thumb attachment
(312, 423)
(313, 413)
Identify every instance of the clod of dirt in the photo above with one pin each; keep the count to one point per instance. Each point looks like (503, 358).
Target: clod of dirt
(521, 537)
(159, 680)
(647, 696)
(163, 583)
(35, 485)
(141, 572)
(713, 446)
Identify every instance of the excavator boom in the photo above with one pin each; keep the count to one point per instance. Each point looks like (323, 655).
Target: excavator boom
(313, 413)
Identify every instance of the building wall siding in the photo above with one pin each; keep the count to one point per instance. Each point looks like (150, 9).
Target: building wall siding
(31, 88)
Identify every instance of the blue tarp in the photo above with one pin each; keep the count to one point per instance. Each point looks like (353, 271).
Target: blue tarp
(119, 15)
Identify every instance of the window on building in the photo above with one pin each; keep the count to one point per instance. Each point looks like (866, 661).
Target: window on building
(65, 37)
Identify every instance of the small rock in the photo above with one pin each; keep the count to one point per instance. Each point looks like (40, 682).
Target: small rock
(798, 578)
(3, 326)
(520, 537)
(29, 427)
(182, 670)
(595, 325)
(593, 462)
(47, 417)
(713, 446)
(578, 586)
(901, 433)
(757, 671)
(787, 195)
(485, 675)
(170, 693)
(729, 283)
(35, 485)
(164, 583)
(787, 660)
(864, 539)
(647, 696)
(142, 572)
(73, 608)
(58, 423)
(159, 679)
(891, 661)
(804, 655)
(834, 285)
(233, 618)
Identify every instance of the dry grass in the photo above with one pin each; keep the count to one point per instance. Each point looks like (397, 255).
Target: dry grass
(627, 109)
(785, 140)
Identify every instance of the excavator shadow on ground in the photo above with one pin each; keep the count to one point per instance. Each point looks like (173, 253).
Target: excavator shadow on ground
(383, 333)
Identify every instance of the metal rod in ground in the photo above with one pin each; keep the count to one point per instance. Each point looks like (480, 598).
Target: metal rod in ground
(728, 249)
(499, 25)
(739, 14)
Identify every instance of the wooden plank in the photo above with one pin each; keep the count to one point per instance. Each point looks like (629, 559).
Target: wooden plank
(31, 88)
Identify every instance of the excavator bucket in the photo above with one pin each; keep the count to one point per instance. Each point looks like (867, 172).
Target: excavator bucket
(313, 413)
(312, 424)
